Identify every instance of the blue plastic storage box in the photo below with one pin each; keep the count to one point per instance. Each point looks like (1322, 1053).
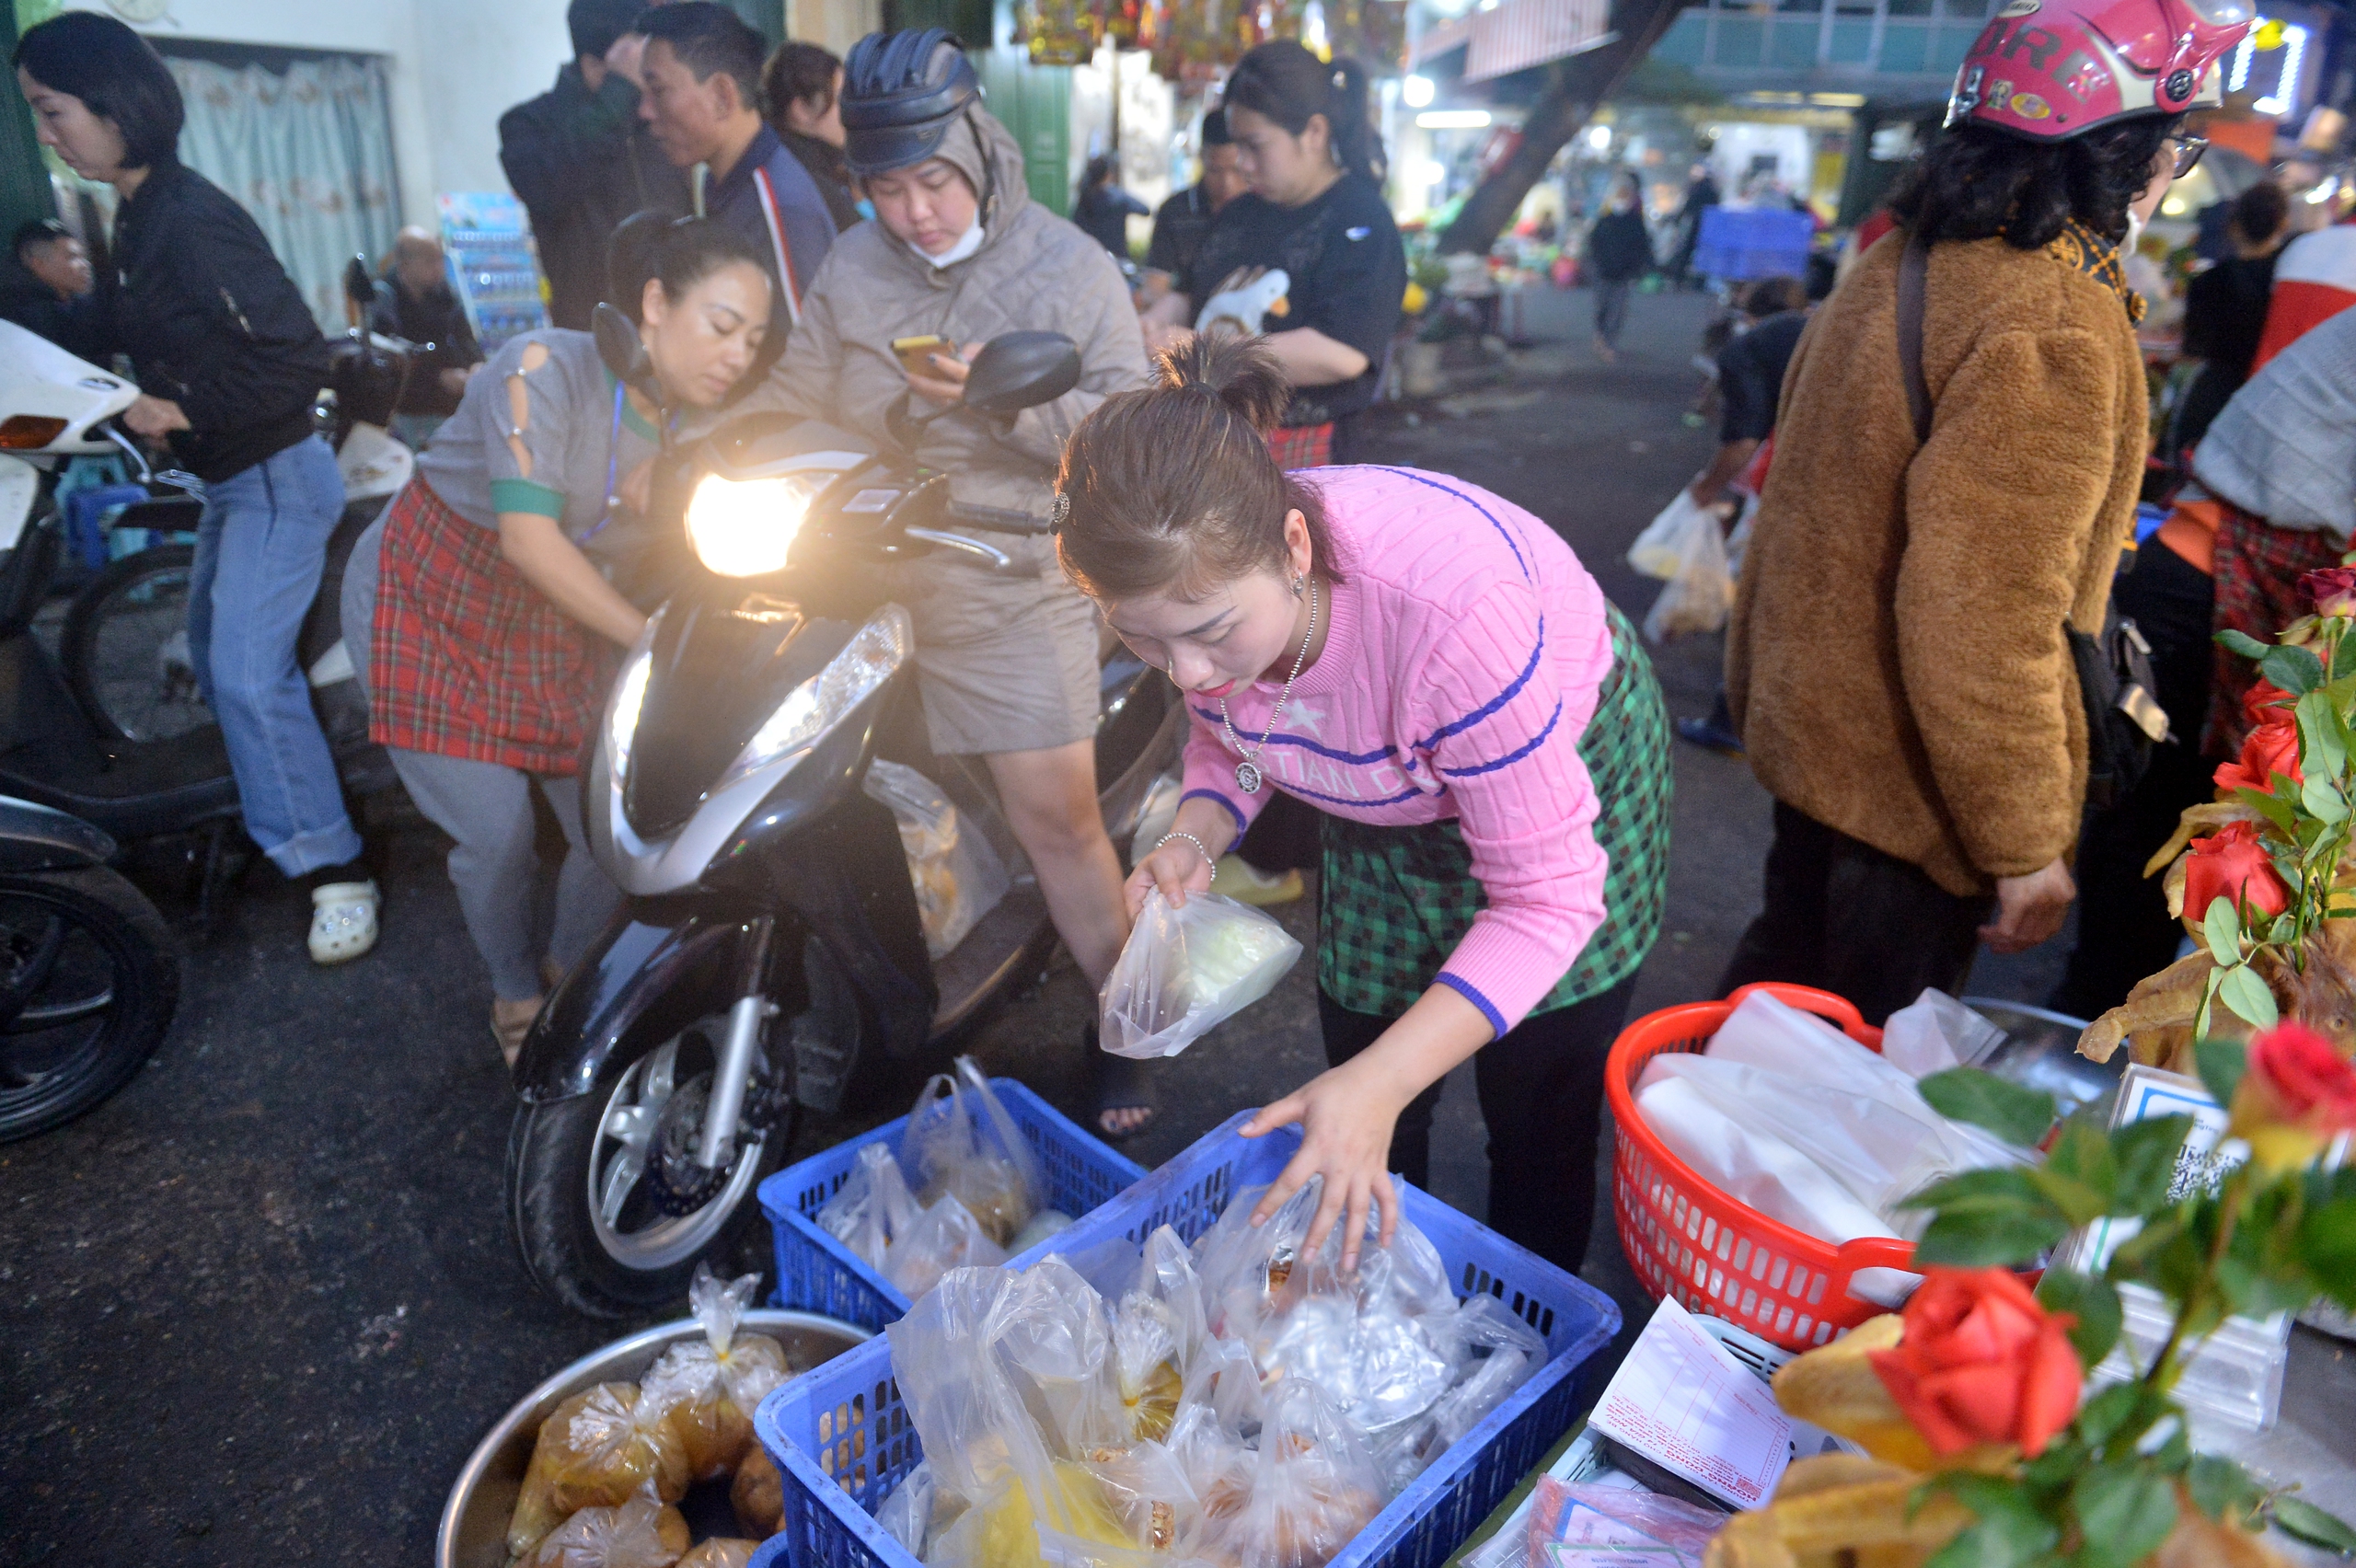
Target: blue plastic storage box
(770, 1553)
(817, 1273)
(1742, 243)
(842, 1439)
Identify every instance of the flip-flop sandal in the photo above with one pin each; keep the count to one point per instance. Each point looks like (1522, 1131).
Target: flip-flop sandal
(1123, 1084)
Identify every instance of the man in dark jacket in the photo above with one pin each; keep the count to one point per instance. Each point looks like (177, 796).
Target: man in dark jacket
(1186, 218)
(803, 86)
(582, 161)
(421, 308)
(56, 297)
(1619, 251)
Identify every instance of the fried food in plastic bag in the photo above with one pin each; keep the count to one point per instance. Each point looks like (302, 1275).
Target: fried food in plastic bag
(962, 1141)
(596, 1450)
(1004, 1530)
(946, 1236)
(758, 1493)
(639, 1533)
(708, 1387)
(872, 1208)
(721, 1552)
(1159, 1332)
(1313, 1485)
(1147, 1491)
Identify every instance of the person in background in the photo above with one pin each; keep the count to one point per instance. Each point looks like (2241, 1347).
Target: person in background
(1183, 221)
(59, 301)
(1896, 662)
(1102, 210)
(492, 627)
(228, 360)
(1751, 386)
(1619, 251)
(702, 74)
(2225, 312)
(803, 86)
(581, 162)
(422, 308)
(1701, 195)
(2315, 279)
(1006, 659)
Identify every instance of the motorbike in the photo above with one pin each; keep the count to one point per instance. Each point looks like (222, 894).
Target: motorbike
(89, 976)
(772, 946)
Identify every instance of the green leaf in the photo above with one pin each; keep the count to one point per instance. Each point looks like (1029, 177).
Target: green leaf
(2221, 1489)
(1977, 1240)
(2146, 1153)
(2274, 808)
(1996, 1186)
(2125, 1510)
(2322, 801)
(2222, 1064)
(2327, 1244)
(2250, 996)
(2017, 1115)
(2310, 1523)
(2221, 928)
(2242, 643)
(2323, 745)
(2082, 1152)
(2009, 1531)
(2295, 670)
(2097, 1305)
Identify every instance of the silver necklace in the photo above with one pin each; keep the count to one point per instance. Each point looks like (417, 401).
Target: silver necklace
(1247, 772)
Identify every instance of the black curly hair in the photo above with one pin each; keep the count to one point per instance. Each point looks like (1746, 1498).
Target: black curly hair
(1976, 182)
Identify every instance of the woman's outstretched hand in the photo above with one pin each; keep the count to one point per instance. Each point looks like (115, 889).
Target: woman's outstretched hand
(1347, 1116)
(1177, 869)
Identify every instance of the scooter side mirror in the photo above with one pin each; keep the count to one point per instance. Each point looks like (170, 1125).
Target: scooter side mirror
(623, 352)
(1021, 370)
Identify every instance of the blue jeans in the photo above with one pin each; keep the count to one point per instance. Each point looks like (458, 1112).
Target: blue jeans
(261, 548)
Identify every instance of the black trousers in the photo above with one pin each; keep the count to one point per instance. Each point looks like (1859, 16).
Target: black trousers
(2171, 601)
(1542, 1094)
(1845, 917)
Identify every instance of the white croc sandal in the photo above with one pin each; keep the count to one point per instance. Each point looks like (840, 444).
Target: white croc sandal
(344, 921)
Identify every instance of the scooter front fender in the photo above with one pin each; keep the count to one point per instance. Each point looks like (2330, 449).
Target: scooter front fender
(658, 965)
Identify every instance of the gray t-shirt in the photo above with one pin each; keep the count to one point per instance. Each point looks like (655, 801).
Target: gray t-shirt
(547, 393)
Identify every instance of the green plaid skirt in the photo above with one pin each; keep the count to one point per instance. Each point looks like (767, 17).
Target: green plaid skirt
(1393, 902)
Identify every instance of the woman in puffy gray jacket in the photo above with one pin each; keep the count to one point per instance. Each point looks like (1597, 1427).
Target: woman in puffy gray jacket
(958, 250)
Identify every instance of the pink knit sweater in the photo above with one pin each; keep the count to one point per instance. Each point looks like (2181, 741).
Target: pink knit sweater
(1466, 650)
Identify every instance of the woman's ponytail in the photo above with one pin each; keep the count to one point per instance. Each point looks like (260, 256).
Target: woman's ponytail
(1284, 81)
(1238, 371)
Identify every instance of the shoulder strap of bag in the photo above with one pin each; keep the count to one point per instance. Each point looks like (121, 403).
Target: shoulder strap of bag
(1913, 274)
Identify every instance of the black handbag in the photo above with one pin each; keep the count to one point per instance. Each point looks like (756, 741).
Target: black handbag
(2124, 721)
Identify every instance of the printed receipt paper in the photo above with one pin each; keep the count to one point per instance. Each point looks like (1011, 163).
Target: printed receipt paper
(1681, 1400)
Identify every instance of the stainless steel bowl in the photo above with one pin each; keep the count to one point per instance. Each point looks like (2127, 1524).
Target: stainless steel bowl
(474, 1521)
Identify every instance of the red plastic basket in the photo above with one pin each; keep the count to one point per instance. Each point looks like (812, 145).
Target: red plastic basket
(1715, 1255)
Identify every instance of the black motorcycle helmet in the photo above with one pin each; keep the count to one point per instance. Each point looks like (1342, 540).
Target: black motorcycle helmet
(901, 93)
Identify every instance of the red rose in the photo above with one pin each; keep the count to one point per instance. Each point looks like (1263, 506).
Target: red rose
(2271, 748)
(2231, 863)
(1982, 1362)
(2265, 703)
(2333, 590)
(2300, 1079)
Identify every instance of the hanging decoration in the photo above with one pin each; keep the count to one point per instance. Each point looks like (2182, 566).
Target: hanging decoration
(1195, 42)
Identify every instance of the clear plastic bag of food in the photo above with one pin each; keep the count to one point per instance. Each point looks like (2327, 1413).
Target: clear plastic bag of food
(872, 1208)
(709, 1386)
(1058, 1517)
(1184, 972)
(597, 1449)
(961, 1140)
(1315, 1485)
(1145, 1489)
(639, 1533)
(1493, 1353)
(945, 1236)
(721, 1552)
(1158, 1328)
(757, 1493)
(957, 875)
(906, 1512)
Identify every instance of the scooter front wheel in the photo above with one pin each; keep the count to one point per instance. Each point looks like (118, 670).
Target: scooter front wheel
(598, 1210)
(89, 976)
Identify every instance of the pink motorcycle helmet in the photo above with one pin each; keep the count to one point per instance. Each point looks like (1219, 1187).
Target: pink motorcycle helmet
(2049, 70)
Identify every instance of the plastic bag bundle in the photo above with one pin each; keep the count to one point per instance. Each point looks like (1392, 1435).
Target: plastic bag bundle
(962, 1141)
(757, 1493)
(1145, 1489)
(871, 1207)
(1685, 546)
(721, 1552)
(1313, 1485)
(708, 1387)
(1934, 1033)
(958, 877)
(638, 1533)
(945, 1236)
(1159, 1329)
(597, 1450)
(1184, 972)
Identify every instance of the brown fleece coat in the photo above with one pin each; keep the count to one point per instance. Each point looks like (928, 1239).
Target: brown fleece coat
(1896, 662)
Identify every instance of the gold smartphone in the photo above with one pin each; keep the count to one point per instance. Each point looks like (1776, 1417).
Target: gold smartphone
(916, 354)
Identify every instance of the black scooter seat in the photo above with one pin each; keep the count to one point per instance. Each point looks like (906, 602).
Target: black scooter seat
(142, 792)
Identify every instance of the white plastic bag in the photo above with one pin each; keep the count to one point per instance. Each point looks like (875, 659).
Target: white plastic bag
(1701, 591)
(1935, 1032)
(958, 877)
(961, 1140)
(1659, 551)
(944, 1237)
(872, 1208)
(1184, 972)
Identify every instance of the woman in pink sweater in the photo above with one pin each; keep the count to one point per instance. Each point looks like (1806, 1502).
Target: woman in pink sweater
(1430, 667)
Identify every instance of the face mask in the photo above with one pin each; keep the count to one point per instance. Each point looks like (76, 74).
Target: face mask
(967, 244)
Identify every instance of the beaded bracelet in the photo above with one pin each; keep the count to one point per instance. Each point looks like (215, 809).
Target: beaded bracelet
(1208, 858)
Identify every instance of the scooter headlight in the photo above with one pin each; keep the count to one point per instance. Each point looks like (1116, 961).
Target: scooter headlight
(818, 704)
(629, 697)
(747, 527)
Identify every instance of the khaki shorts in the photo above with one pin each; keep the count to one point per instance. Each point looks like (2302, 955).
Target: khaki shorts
(1006, 660)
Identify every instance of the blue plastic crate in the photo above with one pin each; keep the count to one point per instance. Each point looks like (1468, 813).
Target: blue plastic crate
(770, 1553)
(842, 1439)
(817, 1273)
(1755, 242)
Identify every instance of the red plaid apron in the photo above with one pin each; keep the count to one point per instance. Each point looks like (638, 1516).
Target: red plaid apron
(2258, 568)
(1303, 446)
(467, 659)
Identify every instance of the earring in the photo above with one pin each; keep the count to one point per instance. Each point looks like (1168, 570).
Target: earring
(1300, 584)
